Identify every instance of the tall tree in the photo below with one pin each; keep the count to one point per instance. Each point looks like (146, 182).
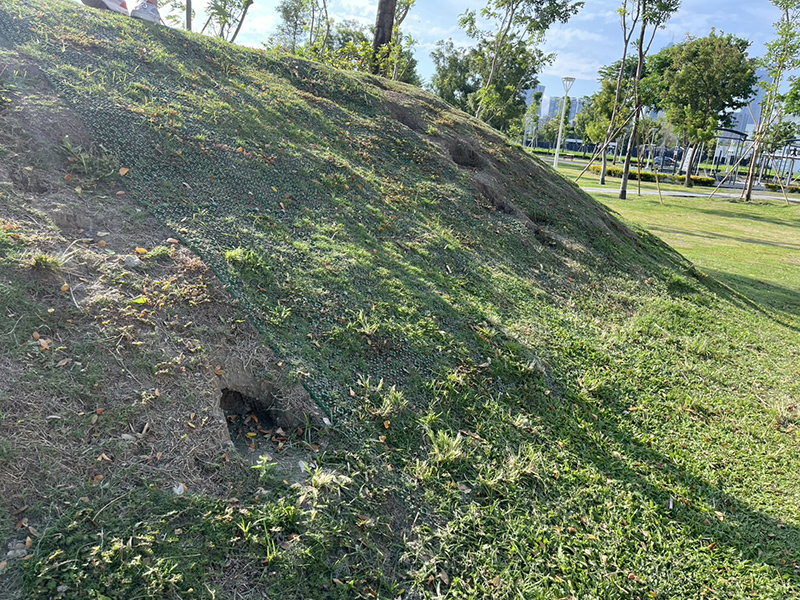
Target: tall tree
(783, 55)
(293, 23)
(461, 74)
(653, 16)
(706, 79)
(520, 23)
(384, 27)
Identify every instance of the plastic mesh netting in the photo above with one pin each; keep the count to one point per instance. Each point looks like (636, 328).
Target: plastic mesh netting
(355, 242)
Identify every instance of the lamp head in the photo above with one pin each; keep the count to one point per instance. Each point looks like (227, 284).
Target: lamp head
(567, 81)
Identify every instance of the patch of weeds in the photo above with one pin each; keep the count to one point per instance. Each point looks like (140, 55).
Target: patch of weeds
(44, 262)
(88, 167)
(6, 93)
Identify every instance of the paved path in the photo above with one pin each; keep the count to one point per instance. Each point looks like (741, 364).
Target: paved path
(687, 194)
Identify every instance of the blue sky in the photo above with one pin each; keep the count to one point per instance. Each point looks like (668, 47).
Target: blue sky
(591, 39)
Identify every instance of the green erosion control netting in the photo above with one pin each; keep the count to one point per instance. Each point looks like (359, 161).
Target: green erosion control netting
(300, 186)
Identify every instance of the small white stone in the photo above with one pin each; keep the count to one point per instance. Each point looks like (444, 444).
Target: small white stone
(132, 262)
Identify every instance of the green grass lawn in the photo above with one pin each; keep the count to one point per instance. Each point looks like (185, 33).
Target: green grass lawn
(751, 247)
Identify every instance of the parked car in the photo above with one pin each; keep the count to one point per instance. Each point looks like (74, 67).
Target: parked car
(663, 162)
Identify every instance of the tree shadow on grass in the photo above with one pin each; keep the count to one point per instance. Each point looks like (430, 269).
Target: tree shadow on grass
(729, 214)
(777, 303)
(704, 510)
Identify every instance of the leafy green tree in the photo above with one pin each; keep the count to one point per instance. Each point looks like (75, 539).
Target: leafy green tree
(460, 75)
(293, 23)
(513, 25)
(454, 78)
(783, 56)
(707, 78)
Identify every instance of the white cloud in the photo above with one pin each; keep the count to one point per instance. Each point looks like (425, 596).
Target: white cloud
(574, 64)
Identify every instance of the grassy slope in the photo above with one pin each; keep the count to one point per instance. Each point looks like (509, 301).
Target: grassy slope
(567, 407)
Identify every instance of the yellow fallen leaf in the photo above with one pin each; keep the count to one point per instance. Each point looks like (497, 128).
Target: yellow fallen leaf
(141, 250)
(124, 171)
(251, 434)
(65, 287)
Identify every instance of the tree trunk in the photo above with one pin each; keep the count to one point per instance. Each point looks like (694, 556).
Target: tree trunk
(241, 20)
(690, 167)
(626, 169)
(188, 15)
(384, 24)
(605, 166)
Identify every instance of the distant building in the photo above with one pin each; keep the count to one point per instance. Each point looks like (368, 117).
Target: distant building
(576, 106)
(529, 94)
(743, 120)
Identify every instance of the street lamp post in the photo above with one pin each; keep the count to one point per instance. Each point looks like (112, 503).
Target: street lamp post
(567, 81)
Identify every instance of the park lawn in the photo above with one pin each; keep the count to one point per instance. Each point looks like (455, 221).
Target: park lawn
(752, 247)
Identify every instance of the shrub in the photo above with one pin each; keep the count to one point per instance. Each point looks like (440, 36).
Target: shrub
(612, 171)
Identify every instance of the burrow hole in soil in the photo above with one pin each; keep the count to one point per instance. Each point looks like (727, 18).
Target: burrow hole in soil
(254, 426)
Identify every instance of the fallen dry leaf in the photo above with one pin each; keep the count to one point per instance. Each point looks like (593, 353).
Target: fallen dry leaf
(496, 581)
(63, 362)
(102, 243)
(124, 171)
(45, 344)
(140, 250)
(121, 193)
(65, 287)
(444, 577)
(172, 241)
(219, 370)
(99, 478)
(387, 424)
(36, 335)
(28, 542)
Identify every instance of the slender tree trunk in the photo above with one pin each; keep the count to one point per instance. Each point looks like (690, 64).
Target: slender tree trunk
(239, 26)
(497, 49)
(188, 15)
(623, 188)
(626, 169)
(690, 167)
(384, 24)
(626, 35)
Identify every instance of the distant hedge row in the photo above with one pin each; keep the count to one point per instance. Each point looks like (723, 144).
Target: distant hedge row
(792, 189)
(613, 171)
